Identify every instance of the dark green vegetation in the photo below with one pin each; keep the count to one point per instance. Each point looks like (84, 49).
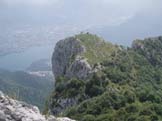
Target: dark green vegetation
(128, 87)
(26, 87)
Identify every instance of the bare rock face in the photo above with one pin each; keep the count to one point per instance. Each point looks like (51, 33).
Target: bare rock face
(66, 60)
(12, 110)
(80, 68)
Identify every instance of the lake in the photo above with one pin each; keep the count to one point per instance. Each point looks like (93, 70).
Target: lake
(21, 60)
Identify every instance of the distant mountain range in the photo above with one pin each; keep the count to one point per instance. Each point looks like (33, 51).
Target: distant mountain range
(17, 37)
(139, 26)
(21, 37)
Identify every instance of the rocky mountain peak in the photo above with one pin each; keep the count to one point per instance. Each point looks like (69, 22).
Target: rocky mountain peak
(75, 60)
(12, 110)
(64, 57)
(75, 57)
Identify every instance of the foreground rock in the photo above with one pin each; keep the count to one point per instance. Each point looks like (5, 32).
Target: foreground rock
(12, 110)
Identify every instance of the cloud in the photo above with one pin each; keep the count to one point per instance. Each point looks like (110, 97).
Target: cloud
(84, 12)
(100, 12)
(31, 2)
(35, 3)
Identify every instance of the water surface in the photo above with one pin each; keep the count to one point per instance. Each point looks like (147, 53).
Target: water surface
(20, 61)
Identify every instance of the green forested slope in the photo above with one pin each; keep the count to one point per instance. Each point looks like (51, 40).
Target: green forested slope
(128, 87)
(26, 87)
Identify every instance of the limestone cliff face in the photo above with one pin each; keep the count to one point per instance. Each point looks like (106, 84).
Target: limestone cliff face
(12, 110)
(77, 55)
(66, 60)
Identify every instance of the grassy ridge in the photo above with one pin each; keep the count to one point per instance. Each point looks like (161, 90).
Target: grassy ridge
(97, 50)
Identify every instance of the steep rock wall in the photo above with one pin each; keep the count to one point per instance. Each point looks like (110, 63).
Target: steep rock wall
(66, 60)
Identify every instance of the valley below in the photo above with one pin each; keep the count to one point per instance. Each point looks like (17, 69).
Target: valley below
(27, 76)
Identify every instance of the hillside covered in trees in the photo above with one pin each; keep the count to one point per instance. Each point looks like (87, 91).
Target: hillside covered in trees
(121, 83)
(26, 87)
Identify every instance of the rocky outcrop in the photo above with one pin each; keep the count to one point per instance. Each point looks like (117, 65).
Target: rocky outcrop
(77, 57)
(66, 60)
(12, 110)
(80, 68)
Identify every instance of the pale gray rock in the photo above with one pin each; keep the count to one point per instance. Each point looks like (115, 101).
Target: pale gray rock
(67, 60)
(12, 110)
(64, 119)
(80, 68)
(52, 118)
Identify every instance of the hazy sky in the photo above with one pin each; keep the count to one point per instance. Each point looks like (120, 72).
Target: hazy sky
(86, 12)
(118, 21)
